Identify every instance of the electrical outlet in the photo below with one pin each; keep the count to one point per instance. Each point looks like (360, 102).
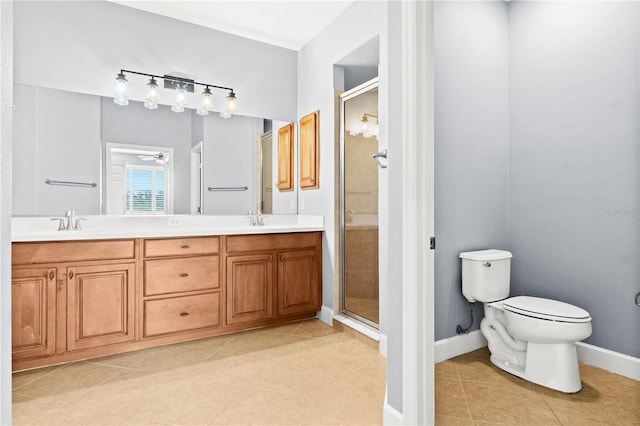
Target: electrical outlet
(175, 221)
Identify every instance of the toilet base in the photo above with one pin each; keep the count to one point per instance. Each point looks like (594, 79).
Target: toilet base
(551, 365)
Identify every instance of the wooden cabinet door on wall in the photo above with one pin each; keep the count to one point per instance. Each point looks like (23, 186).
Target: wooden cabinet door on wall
(249, 288)
(308, 146)
(298, 282)
(285, 158)
(33, 312)
(100, 305)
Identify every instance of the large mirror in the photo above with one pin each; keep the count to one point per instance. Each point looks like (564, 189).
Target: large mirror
(84, 152)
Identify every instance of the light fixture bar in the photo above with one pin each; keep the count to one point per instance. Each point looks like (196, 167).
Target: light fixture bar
(177, 80)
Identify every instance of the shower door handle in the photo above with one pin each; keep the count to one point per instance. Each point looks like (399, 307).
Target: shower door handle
(378, 156)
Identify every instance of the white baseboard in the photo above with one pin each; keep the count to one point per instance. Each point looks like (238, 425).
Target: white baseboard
(383, 347)
(457, 345)
(391, 416)
(326, 315)
(614, 362)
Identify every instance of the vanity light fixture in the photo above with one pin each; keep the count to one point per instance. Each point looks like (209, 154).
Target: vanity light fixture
(153, 96)
(122, 94)
(367, 129)
(182, 86)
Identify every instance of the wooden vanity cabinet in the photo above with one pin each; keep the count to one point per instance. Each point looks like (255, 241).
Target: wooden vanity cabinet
(249, 288)
(74, 300)
(280, 278)
(299, 287)
(100, 305)
(181, 286)
(71, 295)
(33, 312)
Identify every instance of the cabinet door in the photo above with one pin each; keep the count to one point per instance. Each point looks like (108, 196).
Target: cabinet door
(285, 158)
(298, 282)
(33, 312)
(249, 288)
(100, 305)
(308, 146)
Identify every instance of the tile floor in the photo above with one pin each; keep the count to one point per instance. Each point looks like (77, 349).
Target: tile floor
(472, 391)
(300, 373)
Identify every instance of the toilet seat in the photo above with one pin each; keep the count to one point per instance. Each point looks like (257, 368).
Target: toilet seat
(545, 309)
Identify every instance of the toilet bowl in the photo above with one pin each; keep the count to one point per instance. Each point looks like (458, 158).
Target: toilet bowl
(531, 337)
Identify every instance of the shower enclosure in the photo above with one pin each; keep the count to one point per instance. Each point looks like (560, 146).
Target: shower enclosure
(359, 203)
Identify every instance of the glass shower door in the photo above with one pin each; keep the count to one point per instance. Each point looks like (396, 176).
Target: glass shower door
(359, 203)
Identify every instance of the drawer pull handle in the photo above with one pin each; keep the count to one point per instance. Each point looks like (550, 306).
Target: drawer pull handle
(184, 247)
(51, 276)
(184, 314)
(184, 275)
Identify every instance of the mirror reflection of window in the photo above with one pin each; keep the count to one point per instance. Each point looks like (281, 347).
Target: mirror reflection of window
(145, 190)
(139, 180)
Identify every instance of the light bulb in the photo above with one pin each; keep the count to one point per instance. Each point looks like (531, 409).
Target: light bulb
(207, 102)
(181, 99)
(232, 103)
(153, 96)
(121, 92)
(364, 127)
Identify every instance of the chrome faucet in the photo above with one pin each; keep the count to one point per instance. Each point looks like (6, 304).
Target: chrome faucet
(256, 219)
(69, 222)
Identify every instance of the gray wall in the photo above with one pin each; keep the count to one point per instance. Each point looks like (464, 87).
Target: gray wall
(537, 134)
(137, 125)
(80, 46)
(56, 136)
(573, 181)
(471, 146)
(228, 144)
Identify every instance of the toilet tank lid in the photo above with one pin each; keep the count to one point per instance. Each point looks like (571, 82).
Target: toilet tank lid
(484, 255)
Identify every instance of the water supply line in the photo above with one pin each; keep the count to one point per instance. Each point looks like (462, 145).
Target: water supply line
(459, 329)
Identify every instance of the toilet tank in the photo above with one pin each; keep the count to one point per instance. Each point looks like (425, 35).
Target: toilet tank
(486, 275)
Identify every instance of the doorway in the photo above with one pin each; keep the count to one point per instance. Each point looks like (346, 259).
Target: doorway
(196, 179)
(359, 200)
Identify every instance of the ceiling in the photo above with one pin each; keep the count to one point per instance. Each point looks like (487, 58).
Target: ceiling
(290, 24)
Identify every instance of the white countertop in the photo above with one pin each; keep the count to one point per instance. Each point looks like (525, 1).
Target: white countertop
(111, 227)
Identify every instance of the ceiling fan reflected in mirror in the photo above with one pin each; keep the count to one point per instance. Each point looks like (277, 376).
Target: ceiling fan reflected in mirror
(160, 157)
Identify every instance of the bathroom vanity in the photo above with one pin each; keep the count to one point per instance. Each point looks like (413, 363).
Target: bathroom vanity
(138, 283)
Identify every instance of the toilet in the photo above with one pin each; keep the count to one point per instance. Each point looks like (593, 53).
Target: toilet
(530, 337)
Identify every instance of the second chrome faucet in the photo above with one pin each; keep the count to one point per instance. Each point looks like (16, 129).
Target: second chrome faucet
(69, 222)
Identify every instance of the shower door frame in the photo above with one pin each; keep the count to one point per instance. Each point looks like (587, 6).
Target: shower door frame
(350, 94)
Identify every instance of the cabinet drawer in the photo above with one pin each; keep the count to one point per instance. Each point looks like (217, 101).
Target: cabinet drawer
(163, 276)
(181, 246)
(166, 316)
(263, 242)
(71, 251)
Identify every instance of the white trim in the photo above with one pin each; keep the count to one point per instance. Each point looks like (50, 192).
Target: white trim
(326, 315)
(614, 362)
(384, 345)
(457, 345)
(359, 327)
(390, 416)
(418, 213)
(197, 153)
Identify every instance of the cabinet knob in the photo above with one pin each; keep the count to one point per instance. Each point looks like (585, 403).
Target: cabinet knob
(282, 258)
(51, 275)
(184, 275)
(184, 247)
(70, 275)
(184, 314)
